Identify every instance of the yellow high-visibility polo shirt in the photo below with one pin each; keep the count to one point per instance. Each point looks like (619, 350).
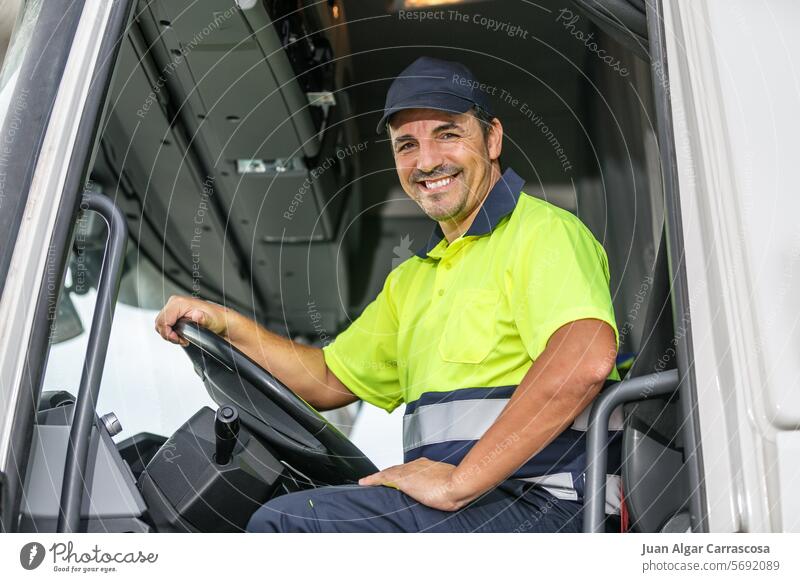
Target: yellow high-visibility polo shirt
(456, 328)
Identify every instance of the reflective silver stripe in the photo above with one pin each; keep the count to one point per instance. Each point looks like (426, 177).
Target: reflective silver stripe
(558, 484)
(613, 488)
(465, 420)
(459, 420)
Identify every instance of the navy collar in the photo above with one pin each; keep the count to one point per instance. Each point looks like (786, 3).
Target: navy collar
(499, 203)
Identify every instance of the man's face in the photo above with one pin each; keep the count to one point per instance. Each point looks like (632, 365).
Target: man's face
(443, 160)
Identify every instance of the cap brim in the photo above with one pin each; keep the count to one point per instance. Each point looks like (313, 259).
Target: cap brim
(441, 101)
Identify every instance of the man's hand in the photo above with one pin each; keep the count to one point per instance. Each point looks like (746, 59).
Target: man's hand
(428, 482)
(209, 315)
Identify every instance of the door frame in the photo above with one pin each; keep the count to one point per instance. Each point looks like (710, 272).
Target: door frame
(676, 252)
(85, 41)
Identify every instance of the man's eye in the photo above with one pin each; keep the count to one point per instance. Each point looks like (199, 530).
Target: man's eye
(449, 134)
(404, 147)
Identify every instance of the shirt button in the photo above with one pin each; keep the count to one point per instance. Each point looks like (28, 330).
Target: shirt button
(441, 292)
(447, 266)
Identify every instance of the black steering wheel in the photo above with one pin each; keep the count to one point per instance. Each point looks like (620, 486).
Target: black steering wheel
(299, 436)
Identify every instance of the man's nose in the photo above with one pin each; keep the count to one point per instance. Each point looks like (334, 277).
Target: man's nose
(429, 157)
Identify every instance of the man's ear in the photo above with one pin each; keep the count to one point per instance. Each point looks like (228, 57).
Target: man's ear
(495, 139)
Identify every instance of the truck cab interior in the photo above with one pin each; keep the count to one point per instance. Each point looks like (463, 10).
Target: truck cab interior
(237, 144)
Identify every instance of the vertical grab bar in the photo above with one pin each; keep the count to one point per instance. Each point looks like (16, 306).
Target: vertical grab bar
(97, 346)
(632, 390)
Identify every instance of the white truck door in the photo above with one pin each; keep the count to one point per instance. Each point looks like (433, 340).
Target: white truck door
(734, 95)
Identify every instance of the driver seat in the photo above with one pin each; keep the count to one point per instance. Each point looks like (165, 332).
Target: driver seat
(655, 481)
(654, 475)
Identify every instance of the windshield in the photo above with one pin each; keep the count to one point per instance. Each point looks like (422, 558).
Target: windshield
(149, 384)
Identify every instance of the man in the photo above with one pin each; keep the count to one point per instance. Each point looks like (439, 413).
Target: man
(497, 336)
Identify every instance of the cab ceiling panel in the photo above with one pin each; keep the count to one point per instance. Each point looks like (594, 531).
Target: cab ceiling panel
(144, 166)
(249, 112)
(250, 116)
(311, 294)
(208, 74)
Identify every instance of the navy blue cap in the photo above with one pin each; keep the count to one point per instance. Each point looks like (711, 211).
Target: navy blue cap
(434, 84)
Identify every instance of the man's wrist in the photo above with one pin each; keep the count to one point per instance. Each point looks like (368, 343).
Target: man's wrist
(461, 486)
(232, 322)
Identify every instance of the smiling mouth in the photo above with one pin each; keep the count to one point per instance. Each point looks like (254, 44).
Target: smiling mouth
(437, 185)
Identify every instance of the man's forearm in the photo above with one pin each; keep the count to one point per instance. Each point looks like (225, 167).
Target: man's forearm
(528, 424)
(559, 385)
(301, 367)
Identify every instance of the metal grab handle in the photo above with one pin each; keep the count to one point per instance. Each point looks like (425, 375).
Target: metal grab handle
(633, 390)
(97, 346)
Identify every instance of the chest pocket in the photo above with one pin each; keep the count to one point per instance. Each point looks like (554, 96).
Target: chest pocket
(471, 328)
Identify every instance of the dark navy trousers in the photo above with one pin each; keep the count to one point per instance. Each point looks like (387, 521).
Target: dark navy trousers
(514, 506)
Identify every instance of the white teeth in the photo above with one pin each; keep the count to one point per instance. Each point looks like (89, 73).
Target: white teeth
(438, 183)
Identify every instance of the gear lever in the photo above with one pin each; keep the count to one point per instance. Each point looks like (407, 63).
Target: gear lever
(226, 431)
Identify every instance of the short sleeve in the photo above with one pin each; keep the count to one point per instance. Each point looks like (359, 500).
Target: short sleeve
(364, 356)
(562, 276)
